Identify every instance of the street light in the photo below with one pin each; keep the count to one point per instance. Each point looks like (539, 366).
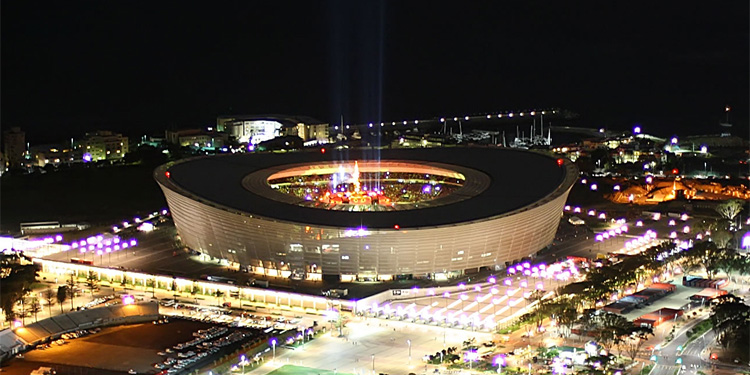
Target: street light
(373, 363)
(242, 362)
(408, 342)
(273, 344)
(500, 362)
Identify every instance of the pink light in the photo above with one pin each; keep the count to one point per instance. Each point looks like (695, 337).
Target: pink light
(477, 288)
(132, 242)
(507, 282)
(109, 249)
(128, 299)
(58, 238)
(98, 252)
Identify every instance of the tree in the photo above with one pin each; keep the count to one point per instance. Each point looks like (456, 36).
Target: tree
(71, 283)
(721, 237)
(730, 317)
(62, 296)
(218, 295)
(152, 284)
(610, 328)
(34, 306)
(49, 299)
(635, 341)
(16, 277)
(730, 209)
(92, 282)
(566, 317)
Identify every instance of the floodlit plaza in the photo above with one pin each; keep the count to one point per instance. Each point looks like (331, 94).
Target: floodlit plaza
(373, 346)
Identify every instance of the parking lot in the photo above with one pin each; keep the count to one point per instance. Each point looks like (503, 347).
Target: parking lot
(145, 348)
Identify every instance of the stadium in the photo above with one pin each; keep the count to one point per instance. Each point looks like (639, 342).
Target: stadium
(369, 215)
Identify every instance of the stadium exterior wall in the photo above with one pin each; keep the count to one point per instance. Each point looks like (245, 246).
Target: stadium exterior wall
(281, 248)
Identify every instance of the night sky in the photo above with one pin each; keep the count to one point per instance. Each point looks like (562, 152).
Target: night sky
(137, 66)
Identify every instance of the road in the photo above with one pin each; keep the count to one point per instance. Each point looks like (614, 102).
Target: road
(692, 362)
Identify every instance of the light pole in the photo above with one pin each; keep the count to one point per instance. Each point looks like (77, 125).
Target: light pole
(273, 344)
(408, 342)
(242, 362)
(373, 363)
(500, 362)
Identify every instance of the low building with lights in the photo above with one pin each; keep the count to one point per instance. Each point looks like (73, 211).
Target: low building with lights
(102, 145)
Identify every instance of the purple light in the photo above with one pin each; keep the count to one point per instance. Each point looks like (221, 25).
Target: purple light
(58, 238)
(507, 282)
(526, 265)
(98, 252)
(477, 288)
(132, 242)
(124, 245)
(116, 240)
(109, 249)
(492, 279)
(446, 294)
(87, 158)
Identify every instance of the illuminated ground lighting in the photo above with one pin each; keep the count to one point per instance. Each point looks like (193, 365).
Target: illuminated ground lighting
(128, 299)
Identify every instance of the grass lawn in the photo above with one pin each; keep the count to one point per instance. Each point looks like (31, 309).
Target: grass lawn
(301, 370)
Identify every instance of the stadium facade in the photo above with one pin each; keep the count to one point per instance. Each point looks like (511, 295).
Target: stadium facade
(507, 206)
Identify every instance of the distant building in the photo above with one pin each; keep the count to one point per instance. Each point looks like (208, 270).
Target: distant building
(254, 129)
(102, 145)
(197, 138)
(310, 134)
(14, 147)
(42, 155)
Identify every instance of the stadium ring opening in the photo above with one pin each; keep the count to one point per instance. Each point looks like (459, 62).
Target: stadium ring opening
(505, 204)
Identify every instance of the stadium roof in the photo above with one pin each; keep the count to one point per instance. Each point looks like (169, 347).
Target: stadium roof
(517, 180)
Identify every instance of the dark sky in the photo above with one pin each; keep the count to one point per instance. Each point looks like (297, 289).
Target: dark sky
(138, 66)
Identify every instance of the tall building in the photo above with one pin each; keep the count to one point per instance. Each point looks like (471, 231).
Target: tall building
(14, 147)
(102, 145)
